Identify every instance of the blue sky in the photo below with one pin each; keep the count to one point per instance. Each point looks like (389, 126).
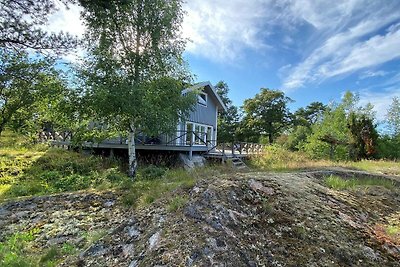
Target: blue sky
(312, 50)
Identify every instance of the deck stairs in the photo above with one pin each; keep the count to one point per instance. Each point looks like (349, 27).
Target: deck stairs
(238, 163)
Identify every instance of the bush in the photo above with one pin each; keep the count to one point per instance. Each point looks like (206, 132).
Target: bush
(297, 138)
(151, 172)
(73, 182)
(389, 147)
(113, 175)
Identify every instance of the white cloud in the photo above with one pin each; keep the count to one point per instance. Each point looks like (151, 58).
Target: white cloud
(348, 44)
(371, 74)
(322, 14)
(67, 20)
(219, 29)
(381, 100)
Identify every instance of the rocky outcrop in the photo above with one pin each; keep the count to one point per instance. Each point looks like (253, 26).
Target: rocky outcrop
(244, 219)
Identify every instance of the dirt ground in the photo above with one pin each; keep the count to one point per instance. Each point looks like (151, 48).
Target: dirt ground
(243, 219)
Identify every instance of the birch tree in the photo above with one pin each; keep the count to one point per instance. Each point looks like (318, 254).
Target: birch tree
(134, 74)
(393, 117)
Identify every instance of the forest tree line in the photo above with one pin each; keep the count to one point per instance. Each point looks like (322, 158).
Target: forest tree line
(341, 131)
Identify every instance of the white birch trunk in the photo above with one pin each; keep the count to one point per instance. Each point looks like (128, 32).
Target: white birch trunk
(132, 153)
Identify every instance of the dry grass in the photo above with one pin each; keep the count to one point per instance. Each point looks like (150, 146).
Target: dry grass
(375, 166)
(279, 159)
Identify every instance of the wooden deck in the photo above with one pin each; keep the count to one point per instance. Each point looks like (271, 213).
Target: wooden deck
(176, 142)
(161, 147)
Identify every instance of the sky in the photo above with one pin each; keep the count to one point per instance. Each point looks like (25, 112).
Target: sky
(311, 50)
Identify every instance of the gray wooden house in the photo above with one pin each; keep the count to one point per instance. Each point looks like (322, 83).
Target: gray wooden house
(197, 133)
(201, 127)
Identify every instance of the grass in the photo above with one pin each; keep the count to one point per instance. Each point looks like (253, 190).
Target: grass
(278, 159)
(42, 170)
(339, 183)
(143, 192)
(376, 166)
(177, 203)
(19, 250)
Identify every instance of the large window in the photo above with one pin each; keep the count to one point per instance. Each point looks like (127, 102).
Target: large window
(209, 134)
(198, 134)
(189, 133)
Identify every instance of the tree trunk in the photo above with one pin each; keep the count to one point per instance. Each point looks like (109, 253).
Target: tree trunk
(2, 126)
(270, 138)
(132, 153)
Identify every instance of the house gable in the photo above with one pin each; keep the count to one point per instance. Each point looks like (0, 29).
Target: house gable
(209, 89)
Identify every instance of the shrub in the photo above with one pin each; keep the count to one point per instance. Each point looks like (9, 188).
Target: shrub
(151, 172)
(114, 175)
(72, 182)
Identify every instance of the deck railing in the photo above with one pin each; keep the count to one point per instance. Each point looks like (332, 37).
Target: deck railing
(241, 148)
(179, 138)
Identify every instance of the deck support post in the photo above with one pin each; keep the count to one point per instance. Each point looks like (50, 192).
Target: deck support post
(190, 153)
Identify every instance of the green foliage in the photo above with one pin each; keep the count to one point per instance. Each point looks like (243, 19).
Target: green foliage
(21, 26)
(345, 131)
(143, 192)
(332, 125)
(51, 255)
(277, 158)
(339, 183)
(393, 117)
(389, 147)
(135, 73)
(14, 249)
(228, 122)
(265, 114)
(151, 172)
(297, 138)
(36, 171)
(30, 89)
(363, 136)
(309, 115)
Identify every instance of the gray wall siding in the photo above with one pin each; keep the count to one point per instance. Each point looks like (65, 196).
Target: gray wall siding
(205, 115)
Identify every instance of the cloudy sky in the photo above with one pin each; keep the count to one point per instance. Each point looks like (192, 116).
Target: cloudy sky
(312, 50)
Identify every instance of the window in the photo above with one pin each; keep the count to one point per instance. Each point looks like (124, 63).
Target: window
(189, 133)
(198, 134)
(202, 99)
(209, 134)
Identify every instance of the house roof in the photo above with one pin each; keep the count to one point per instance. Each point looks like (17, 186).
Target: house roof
(218, 99)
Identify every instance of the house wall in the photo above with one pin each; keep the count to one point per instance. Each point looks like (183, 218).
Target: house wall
(205, 115)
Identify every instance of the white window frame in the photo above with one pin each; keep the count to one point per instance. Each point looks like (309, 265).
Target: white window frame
(203, 134)
(202, 102)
